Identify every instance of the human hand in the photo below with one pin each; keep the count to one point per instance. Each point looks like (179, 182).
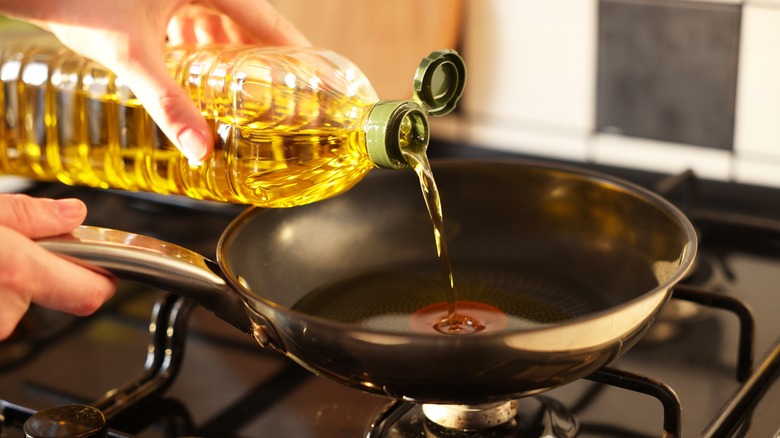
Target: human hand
(30, 274)
(128, 38)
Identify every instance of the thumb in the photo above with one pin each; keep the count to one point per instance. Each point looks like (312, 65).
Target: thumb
(36, 217)
(168, 105)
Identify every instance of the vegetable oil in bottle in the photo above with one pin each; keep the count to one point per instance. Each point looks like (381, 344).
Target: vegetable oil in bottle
(291, 125)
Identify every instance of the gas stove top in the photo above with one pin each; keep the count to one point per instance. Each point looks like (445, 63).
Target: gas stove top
(159, 367)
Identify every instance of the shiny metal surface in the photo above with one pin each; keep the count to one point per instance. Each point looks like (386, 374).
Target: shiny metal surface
(155, 263)
(629, 244)
(468, 417)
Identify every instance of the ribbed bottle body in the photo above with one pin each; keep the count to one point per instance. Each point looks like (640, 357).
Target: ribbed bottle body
(287, 123)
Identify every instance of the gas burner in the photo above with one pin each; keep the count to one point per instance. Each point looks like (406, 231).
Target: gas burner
(68, 421)
(531, 417)
(472, 417)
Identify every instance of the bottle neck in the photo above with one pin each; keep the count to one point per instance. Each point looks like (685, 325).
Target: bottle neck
(394, 127)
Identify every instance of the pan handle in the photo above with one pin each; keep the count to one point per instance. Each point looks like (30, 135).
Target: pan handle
(155, 263)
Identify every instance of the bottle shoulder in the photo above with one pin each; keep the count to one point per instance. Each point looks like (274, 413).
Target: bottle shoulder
(297, 69)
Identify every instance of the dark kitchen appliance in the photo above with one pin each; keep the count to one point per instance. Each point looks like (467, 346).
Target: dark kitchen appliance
(694, 373)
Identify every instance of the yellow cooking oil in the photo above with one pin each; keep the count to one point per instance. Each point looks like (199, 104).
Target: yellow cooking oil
(290, 125)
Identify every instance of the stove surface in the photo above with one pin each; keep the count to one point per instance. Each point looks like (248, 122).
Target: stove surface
(229, 386)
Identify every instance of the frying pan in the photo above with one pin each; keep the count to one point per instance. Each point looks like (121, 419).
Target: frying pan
(589, 258)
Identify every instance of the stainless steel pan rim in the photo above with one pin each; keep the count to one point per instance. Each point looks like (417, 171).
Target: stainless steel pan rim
(653, 297)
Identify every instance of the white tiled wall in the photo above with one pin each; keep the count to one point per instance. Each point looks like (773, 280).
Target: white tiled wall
(532, 83)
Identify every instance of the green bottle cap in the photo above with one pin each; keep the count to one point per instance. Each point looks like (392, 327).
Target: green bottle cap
(395, 126)
(439, 82)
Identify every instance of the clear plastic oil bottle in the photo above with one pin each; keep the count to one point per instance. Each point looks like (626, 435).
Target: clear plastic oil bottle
(291, 125)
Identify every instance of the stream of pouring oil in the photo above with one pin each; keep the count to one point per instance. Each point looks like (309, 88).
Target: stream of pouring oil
(459, 316)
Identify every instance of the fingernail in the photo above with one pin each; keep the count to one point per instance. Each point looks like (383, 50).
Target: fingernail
(194, 145)
(71, 208)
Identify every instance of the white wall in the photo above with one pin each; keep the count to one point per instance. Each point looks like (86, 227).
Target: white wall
(532, 83)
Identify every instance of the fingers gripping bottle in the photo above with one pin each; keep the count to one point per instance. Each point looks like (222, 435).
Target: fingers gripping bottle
(291, 125)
